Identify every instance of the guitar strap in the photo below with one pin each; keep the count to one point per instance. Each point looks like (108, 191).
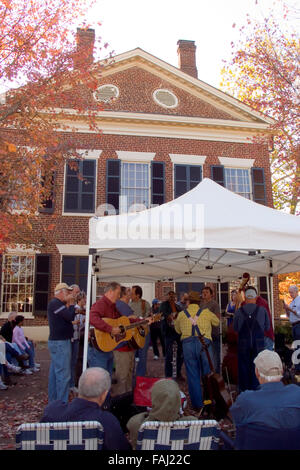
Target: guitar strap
(143, 306)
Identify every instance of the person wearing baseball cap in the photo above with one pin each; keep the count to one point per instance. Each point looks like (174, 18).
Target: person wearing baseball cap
(60, 317)
(274, 404)
(251, 321)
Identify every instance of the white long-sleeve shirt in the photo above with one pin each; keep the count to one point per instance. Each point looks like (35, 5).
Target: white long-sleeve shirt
(19, 338)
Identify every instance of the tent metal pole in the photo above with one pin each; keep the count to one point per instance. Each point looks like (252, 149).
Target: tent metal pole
(269, 290)
(272, 290)
(272, 300)
(221, 327)
(87, 312)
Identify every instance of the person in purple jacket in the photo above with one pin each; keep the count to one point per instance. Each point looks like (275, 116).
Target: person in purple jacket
(93, 387)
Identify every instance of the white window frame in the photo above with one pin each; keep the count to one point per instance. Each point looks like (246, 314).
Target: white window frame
(87, 155)
(250, 181)
(28, 315)
(148, 163)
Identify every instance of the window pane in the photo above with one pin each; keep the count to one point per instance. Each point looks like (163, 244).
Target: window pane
(71, 202)
(68, 264)
(17, 283)
(181, 188)
(193, 184)
(72, 184)
(88, 168)
(87, 202)
(68, 279)
(195, 173)
(83, 265)
(88, 185)
(180, 172)
(73, 172)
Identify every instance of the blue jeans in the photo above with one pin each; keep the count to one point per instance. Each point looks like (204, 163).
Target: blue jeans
(74, 356)
(196, 365)
(101, 359)
(60, 370)
(30, 352)
(142, 353)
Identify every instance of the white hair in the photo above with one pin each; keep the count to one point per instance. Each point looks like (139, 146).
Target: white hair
(270, 378)
(294, 288)
(93, 382)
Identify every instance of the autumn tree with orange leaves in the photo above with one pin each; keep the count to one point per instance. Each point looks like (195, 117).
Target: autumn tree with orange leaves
(42, 70)
(264, 73)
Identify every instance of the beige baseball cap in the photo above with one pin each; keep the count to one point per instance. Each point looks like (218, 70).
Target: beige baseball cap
(62, 285)
(268, 363)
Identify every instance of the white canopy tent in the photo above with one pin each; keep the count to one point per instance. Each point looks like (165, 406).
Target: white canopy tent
(208, 234)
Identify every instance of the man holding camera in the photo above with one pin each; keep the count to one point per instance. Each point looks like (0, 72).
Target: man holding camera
(61, 313)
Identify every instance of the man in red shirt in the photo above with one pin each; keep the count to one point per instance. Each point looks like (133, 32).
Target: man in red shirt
(104, 308)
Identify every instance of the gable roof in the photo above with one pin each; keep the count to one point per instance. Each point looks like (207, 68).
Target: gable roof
(139, 57)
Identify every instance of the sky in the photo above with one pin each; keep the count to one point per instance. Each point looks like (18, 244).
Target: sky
(157, 25)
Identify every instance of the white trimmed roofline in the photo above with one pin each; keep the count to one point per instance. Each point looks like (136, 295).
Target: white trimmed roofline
(123, 115)
(221, 95)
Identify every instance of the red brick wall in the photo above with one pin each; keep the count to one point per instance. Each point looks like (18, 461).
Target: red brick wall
(74, 229)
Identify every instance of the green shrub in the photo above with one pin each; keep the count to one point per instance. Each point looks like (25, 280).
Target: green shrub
(286, 329)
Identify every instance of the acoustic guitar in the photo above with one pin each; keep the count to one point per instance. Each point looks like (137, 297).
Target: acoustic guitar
(108, 342)
(139, 334)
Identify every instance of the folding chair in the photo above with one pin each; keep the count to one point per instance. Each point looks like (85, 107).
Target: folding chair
(179, 435)
(79, 435)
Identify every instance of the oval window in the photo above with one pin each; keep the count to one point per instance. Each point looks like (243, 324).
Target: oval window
(165, 98)
(106, 93)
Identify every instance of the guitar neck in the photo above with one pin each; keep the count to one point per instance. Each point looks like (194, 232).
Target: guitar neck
(134, 325)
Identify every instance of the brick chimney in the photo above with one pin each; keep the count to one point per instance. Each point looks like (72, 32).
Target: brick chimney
(187, 57)
(85, 45)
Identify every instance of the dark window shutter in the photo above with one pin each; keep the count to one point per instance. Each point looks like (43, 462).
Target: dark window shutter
(80, 191)
(157, 182)
(217, 174)
(186, 177)
(42, 284)
(258, 185)
(75, 270)
(113, 183)
(48, 204)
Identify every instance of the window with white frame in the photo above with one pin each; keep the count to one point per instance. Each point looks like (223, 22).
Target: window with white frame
(135, 185)
(17, 283)
(238, 181)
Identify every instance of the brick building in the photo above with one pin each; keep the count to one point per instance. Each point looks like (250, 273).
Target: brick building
(163, 131)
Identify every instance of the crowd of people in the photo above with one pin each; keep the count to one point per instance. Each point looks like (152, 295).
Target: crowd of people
(173, 329)
(17, 352)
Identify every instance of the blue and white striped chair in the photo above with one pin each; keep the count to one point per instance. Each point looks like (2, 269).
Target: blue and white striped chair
(179, 435)
(84, 435)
